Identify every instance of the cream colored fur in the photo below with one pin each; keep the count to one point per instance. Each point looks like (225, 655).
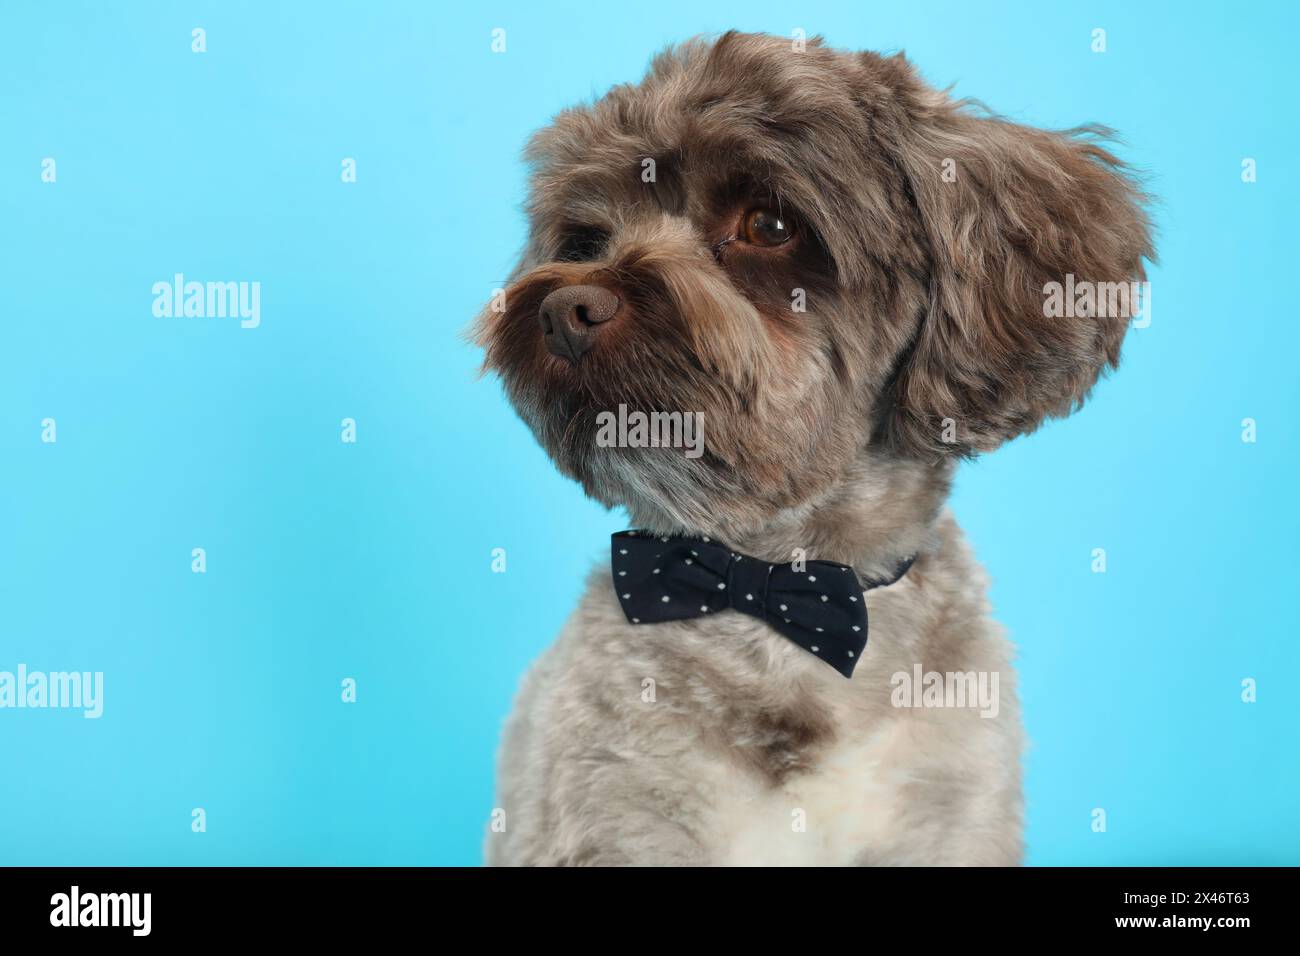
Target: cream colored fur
(594, 771)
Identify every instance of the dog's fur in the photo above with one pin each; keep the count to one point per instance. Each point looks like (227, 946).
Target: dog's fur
(834, 430)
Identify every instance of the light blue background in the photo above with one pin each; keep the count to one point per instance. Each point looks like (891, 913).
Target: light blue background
(372, 560)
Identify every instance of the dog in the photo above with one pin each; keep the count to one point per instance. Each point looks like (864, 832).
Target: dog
(842, 272)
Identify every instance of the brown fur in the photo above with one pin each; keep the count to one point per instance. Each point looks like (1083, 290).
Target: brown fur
(924, 297)
(823, 431)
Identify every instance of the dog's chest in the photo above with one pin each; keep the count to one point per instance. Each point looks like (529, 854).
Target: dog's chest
(842, 806)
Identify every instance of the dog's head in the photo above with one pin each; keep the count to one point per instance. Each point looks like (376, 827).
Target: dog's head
(818, 254)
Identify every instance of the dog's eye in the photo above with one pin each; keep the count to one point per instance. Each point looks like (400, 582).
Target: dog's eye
(765, 227)
(582, 244)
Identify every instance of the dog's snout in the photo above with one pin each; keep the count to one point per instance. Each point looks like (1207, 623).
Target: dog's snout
(571, 318)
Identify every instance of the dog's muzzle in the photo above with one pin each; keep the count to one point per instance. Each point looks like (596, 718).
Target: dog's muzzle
(572, 316)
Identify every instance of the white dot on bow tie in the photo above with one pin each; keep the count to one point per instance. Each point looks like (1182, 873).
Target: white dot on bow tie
(696, 553)
(722, 587)
(665, 540)
(706, 538)
(626, 596)
(622, 550)
(704, 608)
(812, 577)
(689, 561)
(815, 648)
(856, 628)
(749, 597)
(825, 598)
(657, 571)
(622, 574)
(664, 599)
(850, 653)
(784, 608)
(636, 620)
(852, 598)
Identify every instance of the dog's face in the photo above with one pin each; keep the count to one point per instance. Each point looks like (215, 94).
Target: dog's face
(817, 254)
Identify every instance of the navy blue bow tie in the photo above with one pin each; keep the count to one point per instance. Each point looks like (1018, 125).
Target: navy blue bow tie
(821, 607)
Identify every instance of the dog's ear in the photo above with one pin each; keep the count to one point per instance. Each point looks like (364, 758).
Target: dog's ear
(1008, 210)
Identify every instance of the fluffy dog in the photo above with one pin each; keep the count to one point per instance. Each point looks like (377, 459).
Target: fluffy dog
(843, 271)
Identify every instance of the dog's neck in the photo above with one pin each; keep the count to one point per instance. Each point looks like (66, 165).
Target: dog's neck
(883, 511)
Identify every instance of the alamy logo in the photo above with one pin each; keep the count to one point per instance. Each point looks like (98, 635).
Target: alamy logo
(73, 690)
(934, 689)
(103, 909)
(1085, 300)
(651, 430)
(208, 300)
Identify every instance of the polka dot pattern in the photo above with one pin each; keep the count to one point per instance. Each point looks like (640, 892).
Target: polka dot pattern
(815, 604)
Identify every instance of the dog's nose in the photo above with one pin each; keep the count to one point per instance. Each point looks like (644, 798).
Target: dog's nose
(572, 316)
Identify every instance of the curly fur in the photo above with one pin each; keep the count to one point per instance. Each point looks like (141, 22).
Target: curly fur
(926, 231)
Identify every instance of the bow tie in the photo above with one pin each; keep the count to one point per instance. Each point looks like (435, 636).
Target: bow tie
(822, 607)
